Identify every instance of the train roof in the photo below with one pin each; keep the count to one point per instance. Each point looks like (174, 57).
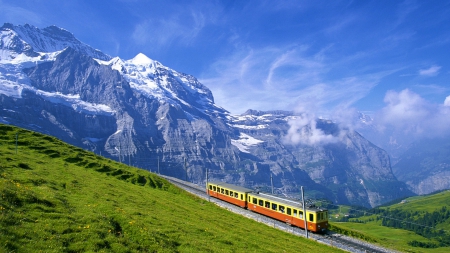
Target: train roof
(287, 202)
(230, 186)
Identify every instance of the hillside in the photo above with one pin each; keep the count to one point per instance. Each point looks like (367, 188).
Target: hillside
(59, 198)
(416, 224)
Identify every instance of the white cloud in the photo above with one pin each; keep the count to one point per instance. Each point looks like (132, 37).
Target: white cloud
(431, 71)
(303, 130)
(408, 113)
(447, 101)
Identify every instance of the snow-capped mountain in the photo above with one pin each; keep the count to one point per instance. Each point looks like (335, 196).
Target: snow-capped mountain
(143, 113)
(29, 40)
(156, 81)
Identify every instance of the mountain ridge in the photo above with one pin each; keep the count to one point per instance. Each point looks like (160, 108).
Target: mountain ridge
(148, 114)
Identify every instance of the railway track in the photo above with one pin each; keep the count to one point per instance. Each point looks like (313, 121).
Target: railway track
(332, 239)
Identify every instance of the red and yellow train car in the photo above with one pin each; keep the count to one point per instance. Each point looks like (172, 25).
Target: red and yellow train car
(228, 192)
(288, 211)
(284, 210)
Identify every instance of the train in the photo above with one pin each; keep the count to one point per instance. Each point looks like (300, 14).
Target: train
(285, 210)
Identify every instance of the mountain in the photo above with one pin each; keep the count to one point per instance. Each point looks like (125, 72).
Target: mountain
(425, 166)
(351, 169)
(31, 41)
(388, 139)
(145, 114)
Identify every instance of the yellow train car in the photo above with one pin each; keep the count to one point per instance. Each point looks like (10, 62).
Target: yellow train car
(288, 211)
(230, 193)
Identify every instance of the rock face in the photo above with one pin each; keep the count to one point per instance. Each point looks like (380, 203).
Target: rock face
(150, 116)
(425, 166)
(353, 170)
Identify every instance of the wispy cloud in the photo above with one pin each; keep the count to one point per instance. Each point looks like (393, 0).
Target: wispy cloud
(19, 15)
(285, 76)
(431, 71)
(404, 10)
(181, 28)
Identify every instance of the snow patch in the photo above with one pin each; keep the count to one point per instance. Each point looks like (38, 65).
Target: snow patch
(76, 103)
(10, 89)
(245, 142)
(251, 127)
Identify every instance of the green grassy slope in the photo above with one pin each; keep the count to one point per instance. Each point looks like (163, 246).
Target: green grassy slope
(419, 224)
(58, 198)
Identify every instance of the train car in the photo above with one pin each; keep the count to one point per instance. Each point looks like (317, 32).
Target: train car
(230, 193)
(275, 207)
(288, 211)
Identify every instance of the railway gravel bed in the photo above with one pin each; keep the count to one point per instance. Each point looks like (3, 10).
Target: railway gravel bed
(332, 239)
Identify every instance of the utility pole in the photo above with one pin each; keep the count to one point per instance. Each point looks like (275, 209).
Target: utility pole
(120, 153)
(17, 137)
(158, 166)
(304, 213)
(207, 193)
(271, 181)
(185, 169)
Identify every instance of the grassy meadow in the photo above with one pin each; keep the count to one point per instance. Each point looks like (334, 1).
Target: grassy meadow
(419, 211)
(58, 198)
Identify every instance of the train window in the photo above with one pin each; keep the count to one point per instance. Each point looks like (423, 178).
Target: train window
(288, 211)
(236, 195)
(267, 203)
(210, 187)
(295, 212)
(231, 193)
(226, 192)
(221, 190)
(242, 196)
(274, 206)
(214, 188)
(255, 200)
(300, 214)
(261, 202)
(311, 217)
(281, 208)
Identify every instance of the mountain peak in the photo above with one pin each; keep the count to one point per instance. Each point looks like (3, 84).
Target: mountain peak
(30, 40)
(141, 59)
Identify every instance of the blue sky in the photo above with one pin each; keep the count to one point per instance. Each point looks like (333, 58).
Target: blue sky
(386, 58)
